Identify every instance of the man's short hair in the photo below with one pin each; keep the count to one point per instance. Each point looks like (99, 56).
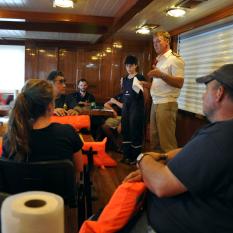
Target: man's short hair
(54, 74)
(82, 80)
(165, 35)
(131, 60)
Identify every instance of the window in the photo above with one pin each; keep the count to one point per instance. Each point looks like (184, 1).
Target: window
(12, 63)
(203, 52)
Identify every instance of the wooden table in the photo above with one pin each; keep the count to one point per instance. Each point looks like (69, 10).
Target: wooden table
(102, 112)
(98, 112)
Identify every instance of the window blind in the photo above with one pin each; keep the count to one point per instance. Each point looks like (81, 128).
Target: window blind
(203, 52)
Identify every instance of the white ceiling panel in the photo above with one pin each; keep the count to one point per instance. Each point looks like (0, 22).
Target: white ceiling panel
(154, 13)
(12, 34)
(82, 7)
(62, 36)
(19, 34)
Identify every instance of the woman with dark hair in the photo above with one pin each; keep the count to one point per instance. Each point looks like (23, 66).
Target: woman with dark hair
(133, 111)
(31, 136)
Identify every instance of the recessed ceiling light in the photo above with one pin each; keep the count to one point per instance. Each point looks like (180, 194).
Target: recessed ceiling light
(143, 30)
(176, 11)
(117, 45)
(146, 29)
(108, 50)
(63, 3)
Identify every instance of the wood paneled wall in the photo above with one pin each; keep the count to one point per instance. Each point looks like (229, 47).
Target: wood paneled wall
(103, 74)
(186, 125)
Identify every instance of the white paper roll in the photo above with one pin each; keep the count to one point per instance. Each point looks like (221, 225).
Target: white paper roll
(33, 212)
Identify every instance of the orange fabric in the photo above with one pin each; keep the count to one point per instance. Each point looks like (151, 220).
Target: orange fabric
(78, 122)
(101, 158)
(96, 146)
(118, 211)
(91, 227)
(0, 150)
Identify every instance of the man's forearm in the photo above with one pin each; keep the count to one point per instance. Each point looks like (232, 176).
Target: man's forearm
(172, 81)
(153, 173)
(159, 179)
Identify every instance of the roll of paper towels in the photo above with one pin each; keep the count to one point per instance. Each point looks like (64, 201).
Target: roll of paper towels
(33, 212)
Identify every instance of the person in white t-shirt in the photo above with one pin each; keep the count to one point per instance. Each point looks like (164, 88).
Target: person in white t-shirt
(167, 80)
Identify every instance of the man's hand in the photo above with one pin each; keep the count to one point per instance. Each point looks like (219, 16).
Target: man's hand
(72, 112)
(133, 177)
(113, 101)
(60, 112)
(156, 73)
(84, 103)
(145, 84)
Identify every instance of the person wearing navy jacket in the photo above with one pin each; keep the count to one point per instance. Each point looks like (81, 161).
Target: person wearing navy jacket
(133, 111)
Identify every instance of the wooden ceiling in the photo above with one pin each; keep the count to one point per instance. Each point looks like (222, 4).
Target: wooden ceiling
(93, 21)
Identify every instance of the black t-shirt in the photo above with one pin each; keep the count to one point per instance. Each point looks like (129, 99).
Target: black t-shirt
(205, 167)
(88, 97)
(65, 101)
(55, 142)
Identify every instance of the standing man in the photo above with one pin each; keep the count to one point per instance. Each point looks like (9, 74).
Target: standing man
(168, 78)
(64, 104)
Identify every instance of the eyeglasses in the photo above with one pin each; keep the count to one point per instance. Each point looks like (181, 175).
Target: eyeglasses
(61, 81)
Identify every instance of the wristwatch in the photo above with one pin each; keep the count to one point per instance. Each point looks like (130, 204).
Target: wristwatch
(140, 157)
(163, 157)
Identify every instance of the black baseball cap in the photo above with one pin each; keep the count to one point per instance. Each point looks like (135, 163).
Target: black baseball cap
(223, 75)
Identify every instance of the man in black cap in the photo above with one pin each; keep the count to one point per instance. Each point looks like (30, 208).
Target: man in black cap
(193, 190)
(64, 104)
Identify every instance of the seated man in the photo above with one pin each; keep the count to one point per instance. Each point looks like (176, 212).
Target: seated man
(112, 126)
(64, 104)
(193, 191)
(82, 97)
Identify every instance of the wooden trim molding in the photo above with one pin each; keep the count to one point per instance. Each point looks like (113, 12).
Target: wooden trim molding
(128, 15)
(57, 17)
(221, 14)
(54, 27)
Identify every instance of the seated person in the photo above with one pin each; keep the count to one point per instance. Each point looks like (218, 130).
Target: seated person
(82, 97)
(31, 136)
(64, 104)
(112, 126)
(193, 191)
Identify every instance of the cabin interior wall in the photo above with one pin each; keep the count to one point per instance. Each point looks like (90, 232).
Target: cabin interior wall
(102, 74)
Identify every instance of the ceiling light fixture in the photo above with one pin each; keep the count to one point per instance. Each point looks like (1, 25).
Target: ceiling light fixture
(143, 30)
(108, 50)
(176, 11)
(146, 29)
(117, 45)
(64, 3)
